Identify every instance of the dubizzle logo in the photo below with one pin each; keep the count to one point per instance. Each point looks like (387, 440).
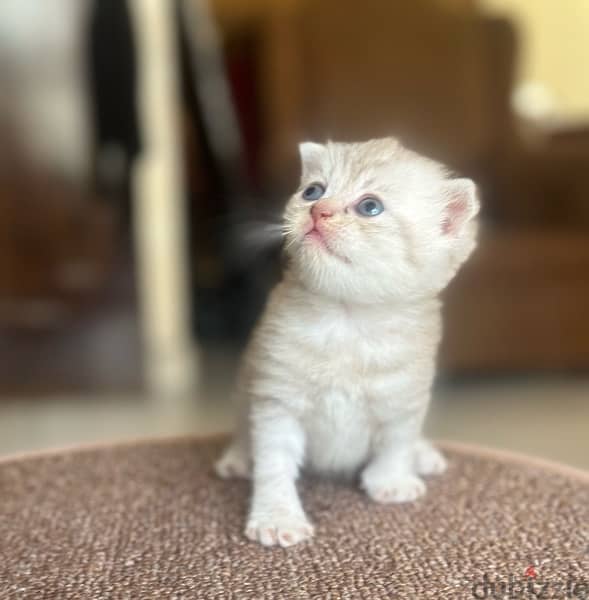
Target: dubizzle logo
(530, 585)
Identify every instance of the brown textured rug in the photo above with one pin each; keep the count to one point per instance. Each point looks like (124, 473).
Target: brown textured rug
(149, 520)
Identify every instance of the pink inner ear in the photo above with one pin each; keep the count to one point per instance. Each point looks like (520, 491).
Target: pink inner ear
(456, 211)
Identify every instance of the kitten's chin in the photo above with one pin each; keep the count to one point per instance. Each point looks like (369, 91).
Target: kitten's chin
(315, 265)
(317, 243)
(328, 276)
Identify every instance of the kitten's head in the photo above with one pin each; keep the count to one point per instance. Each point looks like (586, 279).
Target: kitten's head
(374, 222)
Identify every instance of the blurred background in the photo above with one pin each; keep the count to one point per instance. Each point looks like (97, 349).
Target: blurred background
(144, 143)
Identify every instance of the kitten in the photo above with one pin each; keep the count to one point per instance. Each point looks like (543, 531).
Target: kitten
(338, 373)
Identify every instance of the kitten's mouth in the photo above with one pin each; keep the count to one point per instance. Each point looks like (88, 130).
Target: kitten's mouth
(316, 236)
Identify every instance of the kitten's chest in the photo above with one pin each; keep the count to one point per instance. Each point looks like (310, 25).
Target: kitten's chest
(358, 372)
(338, 431)
(345, 351)
(304, 355)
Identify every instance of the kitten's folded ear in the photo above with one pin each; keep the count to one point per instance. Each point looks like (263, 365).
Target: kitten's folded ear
(462, 205)
(311, 156)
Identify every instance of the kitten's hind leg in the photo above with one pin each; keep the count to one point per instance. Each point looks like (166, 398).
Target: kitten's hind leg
(427, 459)
(390, 477)
(235, 460)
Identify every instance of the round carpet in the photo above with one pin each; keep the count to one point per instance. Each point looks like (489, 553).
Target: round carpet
(149, 520)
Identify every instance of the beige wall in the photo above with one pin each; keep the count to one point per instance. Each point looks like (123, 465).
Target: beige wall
(554, 46)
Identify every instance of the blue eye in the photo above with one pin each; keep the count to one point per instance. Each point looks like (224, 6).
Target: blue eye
(369, 207)
(313, 192)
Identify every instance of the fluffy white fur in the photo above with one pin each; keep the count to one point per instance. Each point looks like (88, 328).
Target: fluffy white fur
(338, 373)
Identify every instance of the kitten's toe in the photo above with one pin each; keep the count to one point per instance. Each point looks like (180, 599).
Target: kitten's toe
(285, 530)
(396, 489)
(428, 460)
(233, 464)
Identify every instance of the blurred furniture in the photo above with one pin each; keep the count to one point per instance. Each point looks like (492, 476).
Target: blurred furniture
(57, 244)
(150, 520)
(67, 305)
(68, 318)
(520, 304)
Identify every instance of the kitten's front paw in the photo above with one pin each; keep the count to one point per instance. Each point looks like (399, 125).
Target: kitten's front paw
(392, 489)
(233, 464)
(284, 529)
(428, 460)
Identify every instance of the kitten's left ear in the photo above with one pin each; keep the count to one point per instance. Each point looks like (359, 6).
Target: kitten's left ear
(311, 156)
(462, 205)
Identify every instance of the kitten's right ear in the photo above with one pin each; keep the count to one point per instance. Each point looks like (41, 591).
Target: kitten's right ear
(311, 156)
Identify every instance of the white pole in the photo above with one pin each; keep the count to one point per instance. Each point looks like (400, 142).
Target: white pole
(159, 207)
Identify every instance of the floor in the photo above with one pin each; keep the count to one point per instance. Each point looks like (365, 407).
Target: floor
(546, 417)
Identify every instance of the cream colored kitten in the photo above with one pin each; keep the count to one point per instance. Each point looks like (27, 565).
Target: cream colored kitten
(338, 374)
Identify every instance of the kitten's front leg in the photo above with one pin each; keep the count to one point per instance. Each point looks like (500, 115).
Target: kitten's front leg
(389, 476)
(276, 515)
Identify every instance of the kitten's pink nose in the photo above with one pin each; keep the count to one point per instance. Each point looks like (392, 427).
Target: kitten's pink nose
(323, 209)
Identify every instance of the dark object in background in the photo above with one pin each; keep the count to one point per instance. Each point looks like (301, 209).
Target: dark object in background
(228, 291)
(112, 83)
